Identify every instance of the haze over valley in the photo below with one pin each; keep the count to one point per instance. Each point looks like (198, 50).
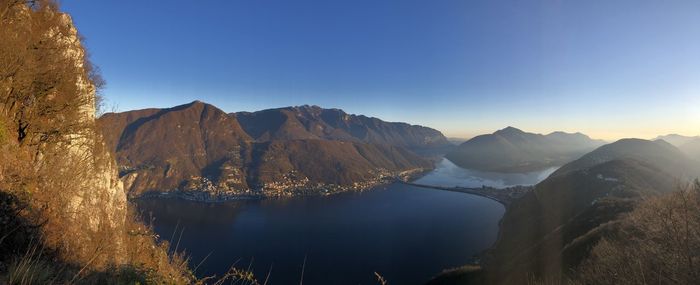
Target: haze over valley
(349, 142)
(565, 187)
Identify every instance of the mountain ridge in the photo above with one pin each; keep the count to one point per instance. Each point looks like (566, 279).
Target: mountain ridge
(687, 144)
(551, 228)
(658, 152)
(513, 150)
(335, 124)
(197, 146)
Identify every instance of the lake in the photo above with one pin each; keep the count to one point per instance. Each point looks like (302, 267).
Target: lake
(405, 233)
(448, 174)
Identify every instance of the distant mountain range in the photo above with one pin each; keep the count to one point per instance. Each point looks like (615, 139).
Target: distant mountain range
(197, 146)
(551, 229)
(512, 150)
(689, 145)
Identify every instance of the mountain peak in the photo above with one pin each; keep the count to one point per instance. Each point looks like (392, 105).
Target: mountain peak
(196, 102)
(513, 150)
(193, 104)
(196, 106)
(676, 139)
(509, 130)
(307, 107)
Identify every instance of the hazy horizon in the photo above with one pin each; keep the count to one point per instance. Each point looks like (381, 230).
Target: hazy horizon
(383, 142)
(463, 137)
(607, 69)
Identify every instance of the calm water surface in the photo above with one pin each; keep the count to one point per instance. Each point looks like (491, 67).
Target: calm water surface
(448, 174)
(405, 233)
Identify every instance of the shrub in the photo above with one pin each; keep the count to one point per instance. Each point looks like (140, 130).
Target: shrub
(659, 242)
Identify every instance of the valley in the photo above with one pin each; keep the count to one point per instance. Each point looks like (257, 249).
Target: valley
(349, 142)
(555, 189)
(560, 192)
(387, 229)
(551, 229)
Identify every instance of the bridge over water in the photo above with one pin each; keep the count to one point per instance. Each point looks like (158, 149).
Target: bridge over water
(504, 196)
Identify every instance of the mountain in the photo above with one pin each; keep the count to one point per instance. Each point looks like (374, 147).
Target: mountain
(333, 162)
(512, 150)
(313, 122)
(270, 152)
(676, 139)
(161, 148)
(550, 229)
(688, 145)
(659, 153)
(456, 140)
(691, 148)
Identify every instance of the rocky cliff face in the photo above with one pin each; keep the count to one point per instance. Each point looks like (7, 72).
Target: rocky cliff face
(64, 213)
(98, 201)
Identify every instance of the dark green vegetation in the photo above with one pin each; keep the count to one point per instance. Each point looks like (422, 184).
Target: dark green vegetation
(512, 150)
(273, 150)
(573, 227)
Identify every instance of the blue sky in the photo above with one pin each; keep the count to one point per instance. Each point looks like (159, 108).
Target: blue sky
(610, 68)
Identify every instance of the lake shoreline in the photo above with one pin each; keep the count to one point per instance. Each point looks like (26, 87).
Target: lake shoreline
(363, 226)
(477, 259)
(212, 194)
(216, 196)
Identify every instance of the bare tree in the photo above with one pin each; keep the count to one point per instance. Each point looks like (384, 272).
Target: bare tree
(659, 243)
(43, 73)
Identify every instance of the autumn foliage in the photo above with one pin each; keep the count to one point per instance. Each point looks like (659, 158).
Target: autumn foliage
(64, 217)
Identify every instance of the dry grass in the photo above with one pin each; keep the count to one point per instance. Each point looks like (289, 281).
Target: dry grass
(380, 279)
(63, 192)
(659, 242)
(656, 243)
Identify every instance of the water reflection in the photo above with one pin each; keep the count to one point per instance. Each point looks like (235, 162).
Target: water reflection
(408, 234)
(448, 174)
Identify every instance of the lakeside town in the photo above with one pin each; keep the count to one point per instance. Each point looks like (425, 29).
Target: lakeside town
(292, 184)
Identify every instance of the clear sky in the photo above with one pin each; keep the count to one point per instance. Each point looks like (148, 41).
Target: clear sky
(608, 68)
